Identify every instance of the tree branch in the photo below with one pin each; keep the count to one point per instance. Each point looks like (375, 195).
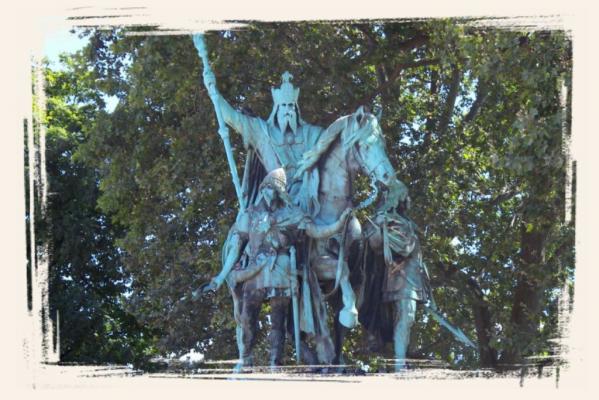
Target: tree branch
(450, 271)
(432, 104)
(371, 40)
(450, 103)
(413, 42)
(481, 94)
(481, 312)
(500, 198)
(391, 79)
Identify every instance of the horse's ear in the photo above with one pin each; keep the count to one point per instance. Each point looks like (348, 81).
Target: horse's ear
(359, 113)
(363, 115)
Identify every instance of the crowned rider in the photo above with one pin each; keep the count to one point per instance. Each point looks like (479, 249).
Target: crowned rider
(280, 142)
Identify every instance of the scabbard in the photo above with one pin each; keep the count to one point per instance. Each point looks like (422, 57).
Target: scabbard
(295, 303)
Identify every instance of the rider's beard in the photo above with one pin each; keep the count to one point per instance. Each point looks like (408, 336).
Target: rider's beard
(292, 124)
(288, 122)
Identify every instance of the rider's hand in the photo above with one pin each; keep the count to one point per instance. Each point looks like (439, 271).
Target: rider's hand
(198, 41)
(210, 81)
(300, 171)
(302, 166)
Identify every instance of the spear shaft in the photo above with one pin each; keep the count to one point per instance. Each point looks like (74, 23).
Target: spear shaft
(223, 130)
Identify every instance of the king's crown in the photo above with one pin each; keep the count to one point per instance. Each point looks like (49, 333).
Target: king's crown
(286, 93)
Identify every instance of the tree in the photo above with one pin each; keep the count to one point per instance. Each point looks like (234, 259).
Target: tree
(87, 279)
(473, 124)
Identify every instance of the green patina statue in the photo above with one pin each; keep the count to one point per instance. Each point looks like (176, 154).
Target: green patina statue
(308, 188)
(267, 267)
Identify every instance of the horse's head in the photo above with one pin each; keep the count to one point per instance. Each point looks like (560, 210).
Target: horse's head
(365, 141)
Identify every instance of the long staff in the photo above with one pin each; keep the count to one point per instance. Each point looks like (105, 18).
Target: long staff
(223, 130)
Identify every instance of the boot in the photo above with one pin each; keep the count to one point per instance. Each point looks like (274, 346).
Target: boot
(276, 340)
(244, 365)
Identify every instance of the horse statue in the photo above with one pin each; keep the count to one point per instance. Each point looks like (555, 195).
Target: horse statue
(391, 276)
(356, 147)
(322, 184)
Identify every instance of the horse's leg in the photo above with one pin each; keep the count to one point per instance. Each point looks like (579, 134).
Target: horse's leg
(236, 294)
(354, 252)
(324, 347)
(326, 269)
(252, 300)
(340, 330)
(405, 314)
(348, 316)
(337, 303)
(307, 353)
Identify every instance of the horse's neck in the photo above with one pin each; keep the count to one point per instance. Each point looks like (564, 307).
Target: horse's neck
(335, 184)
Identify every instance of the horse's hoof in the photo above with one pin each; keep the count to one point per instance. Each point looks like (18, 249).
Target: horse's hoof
(243, 366)
(401, 366)
(325, 370)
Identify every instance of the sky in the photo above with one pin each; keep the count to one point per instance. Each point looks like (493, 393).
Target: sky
(58, 40)
(61, 41)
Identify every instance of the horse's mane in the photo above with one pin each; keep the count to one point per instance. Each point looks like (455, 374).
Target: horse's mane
(363, 126)
(349, 129)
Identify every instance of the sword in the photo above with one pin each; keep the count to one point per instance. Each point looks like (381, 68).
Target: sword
(295, 304)
(223, 130)
(455, 331)
(431, 307)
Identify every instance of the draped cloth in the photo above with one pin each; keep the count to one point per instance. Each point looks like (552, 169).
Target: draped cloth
(395, 272)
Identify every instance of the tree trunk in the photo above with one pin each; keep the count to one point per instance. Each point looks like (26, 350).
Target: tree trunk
(480, 309)
(483, 324)
(526, 307)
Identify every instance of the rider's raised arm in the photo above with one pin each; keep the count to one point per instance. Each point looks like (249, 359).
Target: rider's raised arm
(248, 127)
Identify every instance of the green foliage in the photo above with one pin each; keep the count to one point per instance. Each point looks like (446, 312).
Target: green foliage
(473, 125)
(87, 279)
